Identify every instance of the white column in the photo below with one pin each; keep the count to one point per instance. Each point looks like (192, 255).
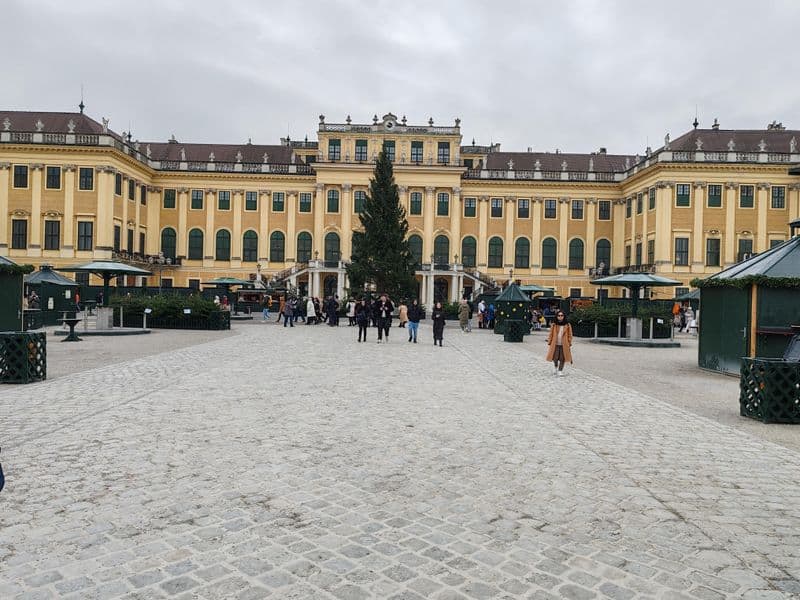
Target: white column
(698, 237)
(454, 288)
(340, 283)
(762, 201)
(428, 211)
(35, 242)
(5, 173)
(210, 238)
(263, 226)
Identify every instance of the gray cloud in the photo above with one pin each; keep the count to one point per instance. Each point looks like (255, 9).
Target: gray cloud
(570, 75)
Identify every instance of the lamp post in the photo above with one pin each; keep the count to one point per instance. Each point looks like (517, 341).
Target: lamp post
(160, 261)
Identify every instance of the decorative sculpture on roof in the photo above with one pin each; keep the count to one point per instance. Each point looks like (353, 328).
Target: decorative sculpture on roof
(6, 124)
(731, 145)
(239, 156)
(627, 163)
(211, 157)
(105, 124)
(348, 120)
(564, 165)
(71, 126)
(591, 164)
(136, 145)
(537, 165)
(792, 145)
(458, 122)
(183, 154)
(374, 119)
(762, 145)
(698, 143)
(403, 120)
(510, 165)
(39, 125)
(321, 119)
(147, 151)
(430, 121)
(266, 158)
(666, 142)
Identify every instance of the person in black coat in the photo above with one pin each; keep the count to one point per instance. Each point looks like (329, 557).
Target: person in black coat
(362, 318)
(382, 312)
(437, 316)
(414, 317)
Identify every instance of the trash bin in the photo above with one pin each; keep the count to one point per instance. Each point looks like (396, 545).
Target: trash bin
(770, 387)
(514, 330)
(23, 356)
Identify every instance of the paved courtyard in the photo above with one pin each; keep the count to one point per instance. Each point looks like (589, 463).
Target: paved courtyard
(299, 464)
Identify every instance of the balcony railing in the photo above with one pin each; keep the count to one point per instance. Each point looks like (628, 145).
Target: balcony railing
(640, 268)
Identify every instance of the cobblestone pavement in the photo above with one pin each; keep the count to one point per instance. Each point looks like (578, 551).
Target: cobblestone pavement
(296, 463)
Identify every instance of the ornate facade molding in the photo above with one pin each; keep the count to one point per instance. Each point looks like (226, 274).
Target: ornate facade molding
(20, 212)
(456, 190)
(69, 168)
(429, 189)
(483, 198)
(763, 185)
(37, 167)
(241, 192)
(699, 184)
(266, 193)
(347, 187)
(4, 166)
(183, 190)
(731, 185)
(403, 189)
(210, 190)
(53, 214)
(563, 200)
(320, 187)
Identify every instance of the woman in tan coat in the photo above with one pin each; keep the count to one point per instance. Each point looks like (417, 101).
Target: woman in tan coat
(559, 343)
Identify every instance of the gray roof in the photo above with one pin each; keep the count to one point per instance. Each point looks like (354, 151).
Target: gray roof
(102, 266)
(6, 261)
(781, 261)
(744, 140)
(47, 275)
(636, 279)
(512, 294)
(551, 161)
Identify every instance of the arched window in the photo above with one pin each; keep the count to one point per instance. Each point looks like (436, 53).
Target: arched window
(522, 254)
(441, 250)
(549, 253)
(332, 247)
(415, 246)
(223, 245)
(250, 246)
(496, 252)
(576, 254)
(469, 249)
(442, 204)
(168, 242)
(333, 201)
(603, 254)
(195, 244)
(277, 246)
(303, 246)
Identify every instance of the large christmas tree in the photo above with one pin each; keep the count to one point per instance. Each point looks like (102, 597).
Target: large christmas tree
(381, 255)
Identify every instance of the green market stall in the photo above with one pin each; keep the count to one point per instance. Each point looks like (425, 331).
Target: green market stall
(23, 354)
(56, 293)
(749, 308)
(510, 308)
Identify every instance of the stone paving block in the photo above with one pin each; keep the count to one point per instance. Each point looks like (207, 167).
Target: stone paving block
(179, 585)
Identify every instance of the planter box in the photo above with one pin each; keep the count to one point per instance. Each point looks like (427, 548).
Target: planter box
(770, 390)
(514, 330)
(23, 357)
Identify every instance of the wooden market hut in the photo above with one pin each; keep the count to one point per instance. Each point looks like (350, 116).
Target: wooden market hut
(749, 308)
(511, 304)
(11, 289)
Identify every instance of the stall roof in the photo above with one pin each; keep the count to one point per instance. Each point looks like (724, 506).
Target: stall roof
(5, 261)
(535, 288)
(636, 279)
(107, 267)
(693, 295)
(227, 281)
(781, 261)
(45, 274)
(512, 293)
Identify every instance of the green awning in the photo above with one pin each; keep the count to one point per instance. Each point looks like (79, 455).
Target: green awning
(513, 293)
(45, 274)
(227, 281)
(635, 280)
(535, 288)
(106, 267)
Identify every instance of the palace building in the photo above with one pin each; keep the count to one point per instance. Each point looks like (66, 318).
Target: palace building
(73, 190)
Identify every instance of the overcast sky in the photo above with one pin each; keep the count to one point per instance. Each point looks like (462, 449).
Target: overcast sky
(560, 74)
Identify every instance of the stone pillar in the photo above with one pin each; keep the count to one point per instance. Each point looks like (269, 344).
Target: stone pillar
(291, 226)
(536, 235)
(67, 247)
(698, 239)
(483, 230)
(5, 174)
(618, 245)
(664, 202)
(591, 243)
(794, 203)
(35, 241)
(423, 293)
(345, 240)
(154, 203)
(762, 204)
(454, 291)
(508, 245)
(263, 226)
(236, 236)
(137, 217)
(428, 212)
(183, 213)
(340, 284)
(645, 232)
(563, 242)
(403, 189)
(431, 295)
(210, 238)
(455, 223)
(104, 215)
(123, 242)
(729, 256)
(315, 283)
(319, 217)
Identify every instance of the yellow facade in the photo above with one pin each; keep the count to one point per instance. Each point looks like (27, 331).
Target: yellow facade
(538, 224)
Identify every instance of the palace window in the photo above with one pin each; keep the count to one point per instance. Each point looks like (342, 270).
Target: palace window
(334, 149)
(522, 253)
(250, 246)
(712, 252)
(143, 195)
(745, 249)
(19, 234)
(20, 176)
(197, 199)
(604, 210)
(141, 241)
(304, 204)
(496, 208)
(277, 245)
(86, 179)
(251, 200)
(388, 148)
(778, 196)
(638, 253)
(53, 181)
(223, 200)
(333, 201)
(415, 247)
(683, 196)
(443, 204)
(775, 242)
(627, 255)
(523, 208)
(443, 153)
(303, 246)
(441, 250)
(361, 150)
(576, 254)
(117, 238)
(415, 205)
(682, 251)
(639, 203)
(549, 253)
(223, 245)
(550, 208)
(85, 235)
(118, 184)
(130, 247)
(278, 202)
(470, 207)
(131, 189)
(195, 244)
(714, 196)
(651, 251)
(496, 252)
(52, 235)
(628, 205)
(651, 199)
(577, 210)
(169, 198)
(416, 152)
(746, 196)
(603, 254)
(169, 243)
(359, 200)
(469, 248)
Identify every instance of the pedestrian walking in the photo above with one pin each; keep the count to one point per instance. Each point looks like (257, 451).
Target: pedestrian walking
(383, 313)
(402, 314)
(351, 312)
(288, 313)
(490, 317)
(559, 343)
(362, 319)
(266, 304)
(437, 316)
(463, 315)
(481, 314)
(281, 307)
(414, 316)
(311, 312)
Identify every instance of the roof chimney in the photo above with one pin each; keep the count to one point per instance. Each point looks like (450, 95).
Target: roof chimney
(530, 149)
(602, 150)
(715, 126)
